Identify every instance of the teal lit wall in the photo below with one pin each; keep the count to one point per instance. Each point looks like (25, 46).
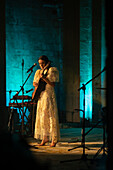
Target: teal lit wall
(86, 56)
(87, 67)
(33, 28)
(103, 57)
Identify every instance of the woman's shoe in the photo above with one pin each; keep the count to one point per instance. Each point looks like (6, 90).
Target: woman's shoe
(53, 144)
(42, 143)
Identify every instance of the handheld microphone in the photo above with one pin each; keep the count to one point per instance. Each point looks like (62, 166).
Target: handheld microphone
(31, 68)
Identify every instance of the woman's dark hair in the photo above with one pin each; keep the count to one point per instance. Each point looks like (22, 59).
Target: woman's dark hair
(45, 58)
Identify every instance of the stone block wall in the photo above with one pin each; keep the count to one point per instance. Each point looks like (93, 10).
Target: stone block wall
(86, 55)
(33, 28)
(67, 32)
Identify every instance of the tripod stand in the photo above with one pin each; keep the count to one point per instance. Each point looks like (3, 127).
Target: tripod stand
(103, 120)
(84, 156)
(83, 125)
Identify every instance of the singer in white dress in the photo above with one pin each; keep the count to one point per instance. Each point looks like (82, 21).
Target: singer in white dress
(47, 124)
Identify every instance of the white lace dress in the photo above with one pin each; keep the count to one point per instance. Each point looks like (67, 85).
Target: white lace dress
(46, 124)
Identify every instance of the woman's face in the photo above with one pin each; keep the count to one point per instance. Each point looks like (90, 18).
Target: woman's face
(41, 63)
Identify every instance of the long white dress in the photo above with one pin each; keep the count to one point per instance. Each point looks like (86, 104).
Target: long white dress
(46, 124)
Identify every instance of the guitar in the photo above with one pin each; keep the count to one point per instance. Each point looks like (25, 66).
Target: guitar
(41, 85)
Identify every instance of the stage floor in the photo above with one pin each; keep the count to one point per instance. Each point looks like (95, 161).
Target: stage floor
(60, 157)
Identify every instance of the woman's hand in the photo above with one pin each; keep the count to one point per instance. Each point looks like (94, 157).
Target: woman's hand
(48, 81)
(41, 76)
(35, 84)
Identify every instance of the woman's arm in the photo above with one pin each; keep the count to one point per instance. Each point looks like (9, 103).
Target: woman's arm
(48, 81)
(36, 78)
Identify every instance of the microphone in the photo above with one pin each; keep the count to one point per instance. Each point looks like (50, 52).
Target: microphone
(31, 67)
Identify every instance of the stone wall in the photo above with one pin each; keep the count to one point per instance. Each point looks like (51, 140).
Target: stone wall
(86, 55)
(33, 28)
(67, 32)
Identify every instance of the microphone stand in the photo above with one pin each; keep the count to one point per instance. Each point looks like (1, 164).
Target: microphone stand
(23, 114)
(22, 89)
(84, 156)
(83, 121)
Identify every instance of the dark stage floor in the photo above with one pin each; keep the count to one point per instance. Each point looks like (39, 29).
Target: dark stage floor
(60, 158)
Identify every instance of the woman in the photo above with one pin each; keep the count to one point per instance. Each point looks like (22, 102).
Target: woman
(46, 125)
